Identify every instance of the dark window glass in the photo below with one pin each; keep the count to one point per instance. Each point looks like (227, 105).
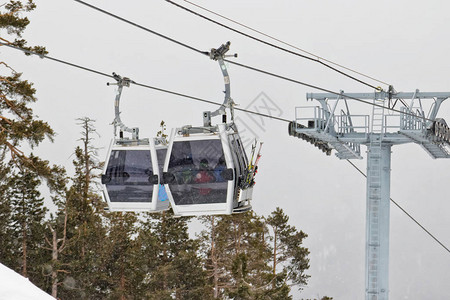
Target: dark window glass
(196, 166)
(129, 172)
(161, 154)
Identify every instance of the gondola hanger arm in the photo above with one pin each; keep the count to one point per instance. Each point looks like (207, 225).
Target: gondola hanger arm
(121, 82)
(219, 55)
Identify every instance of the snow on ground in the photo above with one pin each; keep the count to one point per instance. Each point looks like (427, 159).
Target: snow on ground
(15, 287)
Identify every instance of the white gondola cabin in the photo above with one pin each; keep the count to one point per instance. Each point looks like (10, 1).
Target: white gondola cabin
(131, 175)
(206, 170)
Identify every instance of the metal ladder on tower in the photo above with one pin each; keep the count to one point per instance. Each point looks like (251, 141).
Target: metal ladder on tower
(374, 198)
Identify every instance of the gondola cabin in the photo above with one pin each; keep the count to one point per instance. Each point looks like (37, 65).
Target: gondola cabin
(131, 175)
(205, 171)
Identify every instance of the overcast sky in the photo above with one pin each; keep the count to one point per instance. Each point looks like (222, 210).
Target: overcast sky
(403, 43)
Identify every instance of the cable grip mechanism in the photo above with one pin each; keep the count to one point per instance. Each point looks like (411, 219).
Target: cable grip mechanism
(121, 82)
(219, 55)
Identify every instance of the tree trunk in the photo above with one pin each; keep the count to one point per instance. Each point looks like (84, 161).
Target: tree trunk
(87, 176)
(165, 260)
(214, 259)
(54, 263)
(24, 249)
(122, 286)
(122, 281)
(275, 252)
(87, 179)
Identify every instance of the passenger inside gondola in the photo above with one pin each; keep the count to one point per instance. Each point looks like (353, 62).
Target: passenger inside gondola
(186, 170)
(194, 178)
(205, 175)
(219, 168)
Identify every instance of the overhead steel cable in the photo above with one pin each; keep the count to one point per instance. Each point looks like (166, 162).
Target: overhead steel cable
(139, 84)
(210, 102)
(242, 65)
(142, 27)
(55, 59)
(403, 210)
(270, 44)
(285, 43)
(343, 95)
(192, 98)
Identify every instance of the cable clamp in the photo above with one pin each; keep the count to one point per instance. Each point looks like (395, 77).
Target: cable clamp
(215, 54)
(121, 81)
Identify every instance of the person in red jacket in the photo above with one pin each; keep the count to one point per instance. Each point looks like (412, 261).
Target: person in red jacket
(204, 176)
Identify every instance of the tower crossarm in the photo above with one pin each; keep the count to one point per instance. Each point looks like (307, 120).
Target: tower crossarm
(415, 120)
(318, 126)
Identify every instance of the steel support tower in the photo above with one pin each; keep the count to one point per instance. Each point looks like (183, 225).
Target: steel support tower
(396, 118)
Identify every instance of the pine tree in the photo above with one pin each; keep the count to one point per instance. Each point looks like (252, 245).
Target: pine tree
(56, 234)
(174, 271)
(85, 230)
(236, 256)
(249, 254)
(213, 261)
(288, 250)
(243, 261)
(56, 243)
(6, 231)
(27, 214)
(22, 221)
(17, 122)
(122, 259)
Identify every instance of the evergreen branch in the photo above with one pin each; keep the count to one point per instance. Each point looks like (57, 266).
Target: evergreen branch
(65, 264)
(15, 151)
(6, 41)
(12, 12)
(6, 120)
(12, 106)
(64, 238)
(48, 242)
(7, 66)
(6, 80)
(261, 287)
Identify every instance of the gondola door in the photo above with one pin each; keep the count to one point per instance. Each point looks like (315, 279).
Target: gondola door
(131, 177)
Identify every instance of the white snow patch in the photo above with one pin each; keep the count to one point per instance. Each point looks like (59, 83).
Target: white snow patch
(16, 287)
